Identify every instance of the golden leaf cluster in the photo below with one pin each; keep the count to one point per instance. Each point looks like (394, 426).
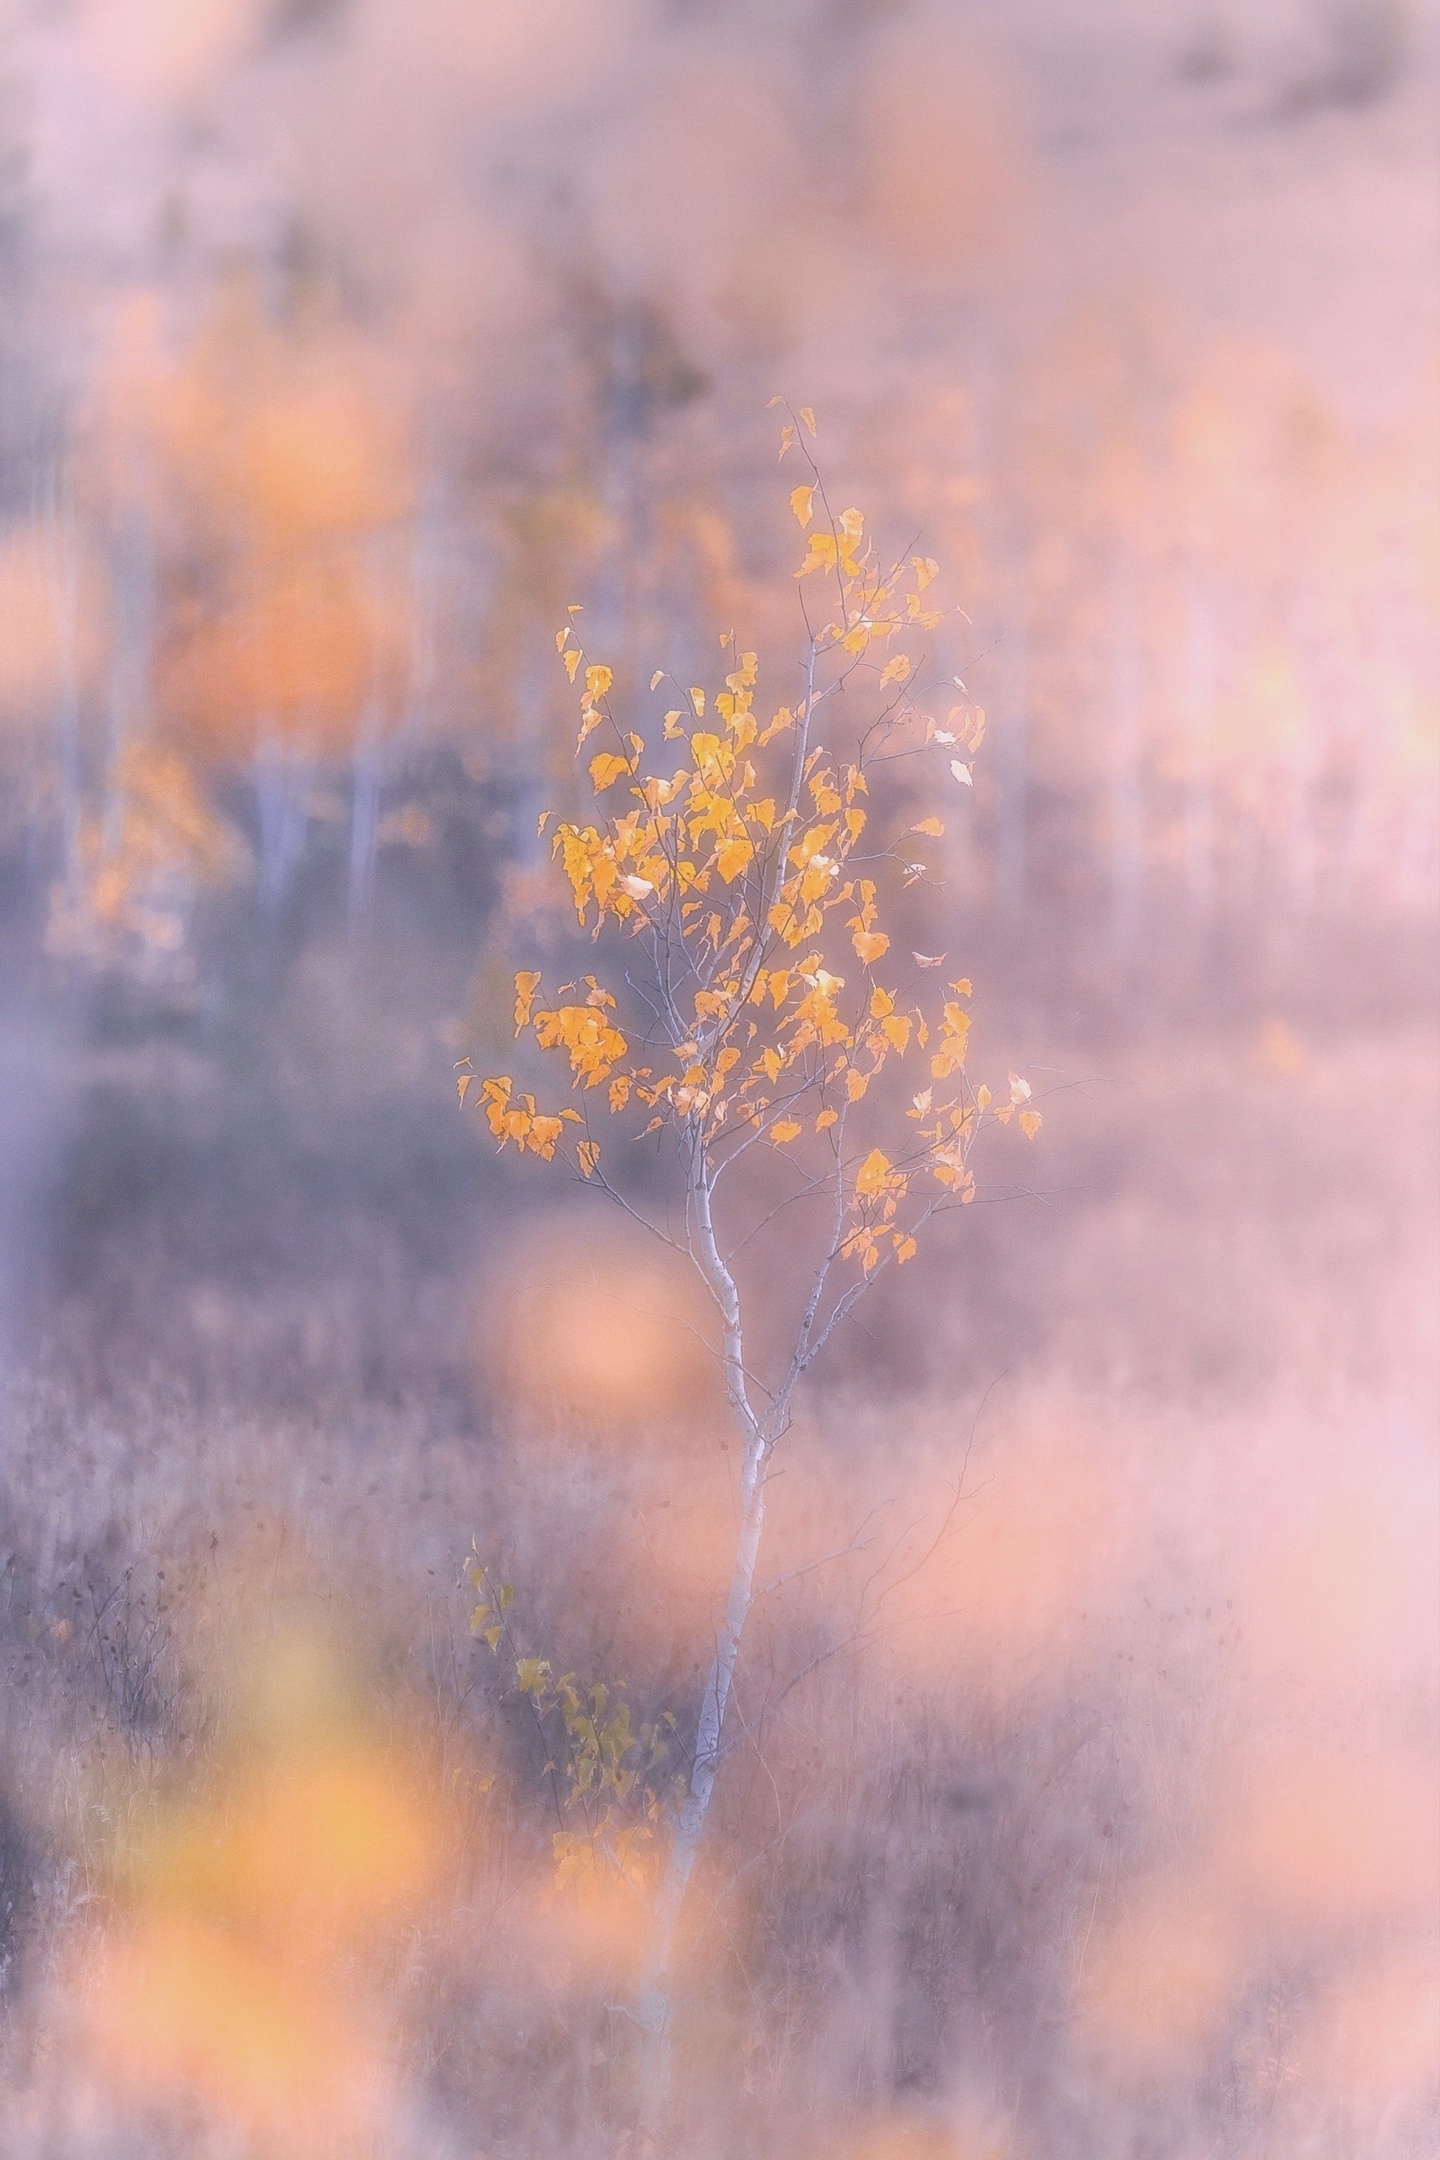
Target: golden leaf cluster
(744, 869)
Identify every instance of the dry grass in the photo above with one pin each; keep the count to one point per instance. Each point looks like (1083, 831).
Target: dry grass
(1097, 1824)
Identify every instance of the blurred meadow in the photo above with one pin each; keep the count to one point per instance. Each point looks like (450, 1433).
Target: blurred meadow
(1080, 1782)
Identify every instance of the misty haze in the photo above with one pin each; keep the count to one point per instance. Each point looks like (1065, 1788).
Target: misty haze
(719, 850)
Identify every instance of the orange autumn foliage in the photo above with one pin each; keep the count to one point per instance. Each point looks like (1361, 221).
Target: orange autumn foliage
(748, 875)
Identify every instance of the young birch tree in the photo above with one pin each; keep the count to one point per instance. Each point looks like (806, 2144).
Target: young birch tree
(757, 1006)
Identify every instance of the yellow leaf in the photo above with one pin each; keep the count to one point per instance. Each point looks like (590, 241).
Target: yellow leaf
(787, 437)
(932, 826)
(543, 1134)
(598, 680)
(1030, 1123)
(784, 1129)
(588, 1155)
(800, 501)
(895, 670)
(561, 638)
(826, 1117)
(606, 769)
(572, 661)
(954, 1029)
(807, 414)
(870, 945)
(697, 699)
(542, 821)
(926, 570)
(619, 1091)
(593, 1044)
(463, 1084)
(526, 984)
(904, 1250)
(873, 1176)
(855, 1084)
(822, 555)
(896, 1031)
(496, 1095)
(657, 678)
(672, 726)
(967, 725)
(736, 854)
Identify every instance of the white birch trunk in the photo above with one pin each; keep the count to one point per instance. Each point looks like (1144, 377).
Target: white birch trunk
(758, 1434)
